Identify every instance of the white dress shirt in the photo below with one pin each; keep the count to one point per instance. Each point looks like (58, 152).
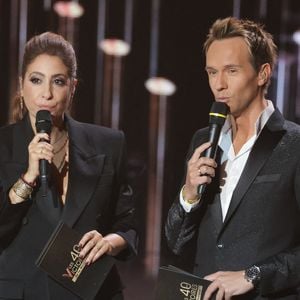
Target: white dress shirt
(232, 165)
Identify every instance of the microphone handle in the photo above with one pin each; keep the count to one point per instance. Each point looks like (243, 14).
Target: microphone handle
(211, 152)
(43, 176)
(43, 167)
(214, 134)
(201, 189)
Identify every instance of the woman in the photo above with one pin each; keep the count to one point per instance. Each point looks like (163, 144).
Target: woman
(86, 189)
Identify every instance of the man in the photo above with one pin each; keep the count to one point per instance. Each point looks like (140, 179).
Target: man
(244, 231)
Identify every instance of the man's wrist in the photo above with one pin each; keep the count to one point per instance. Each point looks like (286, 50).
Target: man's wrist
(253, 275)
(189, 200)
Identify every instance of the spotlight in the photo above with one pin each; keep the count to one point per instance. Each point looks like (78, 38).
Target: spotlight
(296, 37)
(68, 9)
(160, 86)
(114, 47)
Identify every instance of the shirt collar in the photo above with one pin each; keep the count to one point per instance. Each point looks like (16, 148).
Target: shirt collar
(226, 132)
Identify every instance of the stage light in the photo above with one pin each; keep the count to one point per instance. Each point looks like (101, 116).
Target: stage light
(114, 47)
(160, 86)
(68, 9)
(296, 37)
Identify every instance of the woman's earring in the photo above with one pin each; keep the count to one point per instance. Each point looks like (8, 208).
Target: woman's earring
(21, 103)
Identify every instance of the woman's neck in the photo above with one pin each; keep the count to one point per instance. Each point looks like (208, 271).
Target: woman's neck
(57, 135)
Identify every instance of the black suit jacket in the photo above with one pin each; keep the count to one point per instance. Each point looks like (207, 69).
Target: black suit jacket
(98, 197)
(262, 225)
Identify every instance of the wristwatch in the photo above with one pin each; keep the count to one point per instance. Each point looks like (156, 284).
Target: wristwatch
(253, 275)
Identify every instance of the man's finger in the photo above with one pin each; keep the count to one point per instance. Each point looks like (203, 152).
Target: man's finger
(198, 151)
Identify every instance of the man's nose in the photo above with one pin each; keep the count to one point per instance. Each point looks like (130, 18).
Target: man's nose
(221, 82)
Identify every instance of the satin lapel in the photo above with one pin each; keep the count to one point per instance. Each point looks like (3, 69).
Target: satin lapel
(215, 206)
(22, 134)
(216, 213)
(84, 172)
(261, 151)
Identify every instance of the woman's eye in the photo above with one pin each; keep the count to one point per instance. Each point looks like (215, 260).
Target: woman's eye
(35, 80)
(59, 81)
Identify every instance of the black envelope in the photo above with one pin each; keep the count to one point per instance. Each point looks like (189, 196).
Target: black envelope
(176, 284)
(60, 260)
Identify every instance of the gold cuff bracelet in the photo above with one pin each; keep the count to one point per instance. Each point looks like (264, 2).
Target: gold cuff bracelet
(22, 189)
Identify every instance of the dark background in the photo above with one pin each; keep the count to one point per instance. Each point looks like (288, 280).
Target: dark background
(183, 27)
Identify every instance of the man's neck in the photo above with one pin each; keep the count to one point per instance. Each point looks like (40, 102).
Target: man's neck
(243, 126)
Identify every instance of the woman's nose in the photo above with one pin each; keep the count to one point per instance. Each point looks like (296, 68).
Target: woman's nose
(47, 93)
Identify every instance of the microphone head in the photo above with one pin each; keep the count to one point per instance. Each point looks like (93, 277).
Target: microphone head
(43, 121)
(218, 113)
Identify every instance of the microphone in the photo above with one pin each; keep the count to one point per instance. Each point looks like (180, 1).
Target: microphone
(217, 117)
(43, 124)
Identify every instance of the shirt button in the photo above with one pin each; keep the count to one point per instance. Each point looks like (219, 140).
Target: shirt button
(220, 246)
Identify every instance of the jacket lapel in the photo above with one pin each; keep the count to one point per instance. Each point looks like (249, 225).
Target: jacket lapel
(261, 151)
(214, 190)
(21, 136)
(216, 213)
(85, 168)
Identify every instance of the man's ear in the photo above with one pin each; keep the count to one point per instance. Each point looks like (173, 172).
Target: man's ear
(264, 74)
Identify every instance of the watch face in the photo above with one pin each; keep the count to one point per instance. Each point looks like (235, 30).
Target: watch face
(252, 274)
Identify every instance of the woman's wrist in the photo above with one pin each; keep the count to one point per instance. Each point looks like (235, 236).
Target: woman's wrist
(21, 190)
(116, 243)
(29, 179)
